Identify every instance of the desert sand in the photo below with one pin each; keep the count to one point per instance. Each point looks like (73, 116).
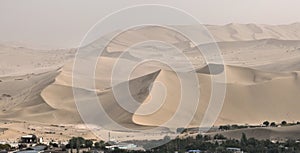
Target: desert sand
(262, 79)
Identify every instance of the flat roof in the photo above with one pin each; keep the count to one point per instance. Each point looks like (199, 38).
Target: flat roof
(28, 136)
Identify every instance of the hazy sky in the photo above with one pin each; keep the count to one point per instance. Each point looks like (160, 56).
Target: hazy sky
(63, 23)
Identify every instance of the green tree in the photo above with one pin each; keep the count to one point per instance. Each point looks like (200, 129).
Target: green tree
(97, 145)
(266, 123)
(283, 123)
(243, 140)
(219, 136)
(76, 142)
(199, 137)
(273, 124)
(207, 137)
(88, 143)
(100, 145)
(5, 147)
(224, 127)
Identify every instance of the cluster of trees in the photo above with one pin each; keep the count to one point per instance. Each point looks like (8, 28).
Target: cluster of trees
(283, 123)
(220, 143)
(232, 127)
(210, 144)
(79, 142)
(207, 144)
(5, 147)
(265, 123)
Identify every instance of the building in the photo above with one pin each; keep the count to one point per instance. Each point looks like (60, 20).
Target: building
(28, 139)
(194, 151)
(235, 150)
(125, 146)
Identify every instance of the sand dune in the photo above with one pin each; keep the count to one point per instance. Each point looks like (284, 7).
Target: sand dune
(254, 88)
(246, 89)
(259, 54)
(238, 32)
(21, 99)
(231, 32)
(261, 65)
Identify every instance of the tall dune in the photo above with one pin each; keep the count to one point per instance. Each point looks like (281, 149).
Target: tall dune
(261, 65)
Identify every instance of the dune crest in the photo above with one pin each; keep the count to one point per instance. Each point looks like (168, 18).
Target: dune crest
(261, 64)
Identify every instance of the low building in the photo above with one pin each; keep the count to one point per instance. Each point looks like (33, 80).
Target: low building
(125, 146)
(194, 151)
(235, 150)
(28, 139)
(29, 151)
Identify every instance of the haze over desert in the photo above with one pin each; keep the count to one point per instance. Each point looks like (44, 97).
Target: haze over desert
(147, 82)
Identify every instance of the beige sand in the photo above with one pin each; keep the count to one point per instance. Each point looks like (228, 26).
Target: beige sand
(262, 64)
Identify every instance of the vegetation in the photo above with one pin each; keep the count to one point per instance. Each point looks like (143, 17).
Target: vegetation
(273, 124)
(250, 145)
(234, 127)
(283, 123)
(220, 144)
(100, 145)
(219, 137)
(79, 142)
(5, 147)
(265, 124)
(207, 143)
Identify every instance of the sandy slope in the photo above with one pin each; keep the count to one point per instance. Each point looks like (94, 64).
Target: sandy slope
(16, 60)
(261, 54)
(274, 92)
(231, 32)
(262, 64)
(238, 32)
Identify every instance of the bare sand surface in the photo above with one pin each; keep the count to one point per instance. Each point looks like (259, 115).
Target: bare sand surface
(261, 64)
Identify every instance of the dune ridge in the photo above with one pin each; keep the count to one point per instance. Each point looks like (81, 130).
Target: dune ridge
(254, 88)
(261, 64)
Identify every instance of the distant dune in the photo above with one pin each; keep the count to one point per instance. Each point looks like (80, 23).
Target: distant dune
(242, 32)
